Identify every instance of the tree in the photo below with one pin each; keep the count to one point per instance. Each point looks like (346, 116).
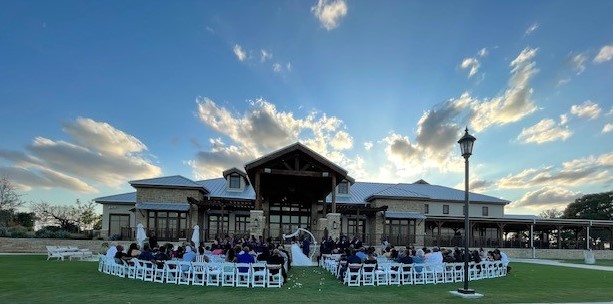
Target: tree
(10, 200)
(73, 218)
(598, 206)
(551, 213)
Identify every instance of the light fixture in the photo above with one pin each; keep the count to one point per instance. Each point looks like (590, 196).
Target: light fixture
(334, 225)
(466, 147)
(256, 223)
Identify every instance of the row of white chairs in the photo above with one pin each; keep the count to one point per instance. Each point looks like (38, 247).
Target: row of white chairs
(390, 273)
(70, 252)
(196, 273)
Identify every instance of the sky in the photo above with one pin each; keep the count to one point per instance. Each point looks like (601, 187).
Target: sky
(94, 94)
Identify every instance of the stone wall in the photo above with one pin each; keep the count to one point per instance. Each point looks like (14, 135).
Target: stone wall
(33, 245)
(554, 254)
(161, 195)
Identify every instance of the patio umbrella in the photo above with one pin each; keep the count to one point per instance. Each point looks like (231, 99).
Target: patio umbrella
(140, 235)
(196, 235)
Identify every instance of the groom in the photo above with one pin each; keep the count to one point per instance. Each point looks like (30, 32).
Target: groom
(306, 246)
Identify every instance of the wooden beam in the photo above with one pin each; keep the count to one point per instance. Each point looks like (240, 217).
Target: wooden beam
(258, 192)
(295, 173)
(333, 193)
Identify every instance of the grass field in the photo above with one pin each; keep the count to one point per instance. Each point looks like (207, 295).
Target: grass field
(598, 262)
(31, 279)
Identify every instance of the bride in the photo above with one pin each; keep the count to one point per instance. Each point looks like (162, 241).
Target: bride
(298, 258)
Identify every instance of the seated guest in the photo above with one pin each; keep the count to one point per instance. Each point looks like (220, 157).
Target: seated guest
(133, 251)
(448, 257)
(276, 259)
(435, 257)
(352, 258)
(264, 255)
(112, 250)
(231, 256)
(361, 253)
(370, 258)
(120, 256)
(406, 257)
(178, 254)
(189, 255)
(161, 257)
(104, 247)
(419, 257)
(201, 248)
(245, 257)
(146, 254)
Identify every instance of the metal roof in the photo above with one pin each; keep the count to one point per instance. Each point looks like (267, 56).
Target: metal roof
(435, 192)
(168, 181)
(404, 215)
(163, 206)
(218, 187)
(124, 198)
(522, 216)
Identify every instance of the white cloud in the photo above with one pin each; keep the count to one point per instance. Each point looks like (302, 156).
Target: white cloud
(577, 63)
(546, 198)
(265, 55)
(563, 81)
(472, 64)
(262, 129)
(239, 52)
(607, 128)
(102, 153)
(277, 68)
(563, 119)
(440, 127)
(476, 185)
(610, 112)
(329, 13)
(545, 130)
(288, 66)
(531, 29)
(577, 172)
(482, 52)
(587, 109)
(605, 54)
(368, 145)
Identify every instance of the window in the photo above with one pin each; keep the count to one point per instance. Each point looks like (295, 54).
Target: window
(218, 225)
(241, 224)
(343, 187)
(445, 209)
(167, 226)
(484, 211)
(118, 221)
(426, 208)
(400, 231)
(235, 182)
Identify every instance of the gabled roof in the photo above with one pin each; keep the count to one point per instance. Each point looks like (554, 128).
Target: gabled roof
(441, 193)
(174, 181)
(397, 193)
(218, 188)
(237, 171)
(124, 198)
(296, 147)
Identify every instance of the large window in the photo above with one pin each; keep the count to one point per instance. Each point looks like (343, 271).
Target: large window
(241, 223)
(235, 182)
(445, 209)
(118, 221)
(287, 217)
(400, 231)
(485, 211)
(218, 225)
(426, 208)
(356, 227)
(167, 225)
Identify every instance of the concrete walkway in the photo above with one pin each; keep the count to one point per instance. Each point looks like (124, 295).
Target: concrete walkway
(559, 263)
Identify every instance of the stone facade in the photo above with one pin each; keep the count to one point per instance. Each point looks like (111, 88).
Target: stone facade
(166, 195)
(257, 216)
(331, 219)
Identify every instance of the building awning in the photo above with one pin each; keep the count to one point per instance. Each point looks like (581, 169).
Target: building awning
(405, 215)
(163, 206)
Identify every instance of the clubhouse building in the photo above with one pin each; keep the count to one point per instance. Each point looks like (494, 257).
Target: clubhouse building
(296, 187)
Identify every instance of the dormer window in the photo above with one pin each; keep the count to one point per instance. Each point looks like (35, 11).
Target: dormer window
(343, 187)
(234, 182)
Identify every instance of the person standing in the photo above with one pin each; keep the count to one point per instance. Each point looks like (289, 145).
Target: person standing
(306, 246)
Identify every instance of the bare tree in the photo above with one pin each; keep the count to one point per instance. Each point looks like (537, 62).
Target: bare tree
(77, 217)
(10, 200)
(551, 213)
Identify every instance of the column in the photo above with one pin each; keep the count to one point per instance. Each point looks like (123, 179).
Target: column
(333, 218)
(257, 222)
(334, 193)
(258, 194)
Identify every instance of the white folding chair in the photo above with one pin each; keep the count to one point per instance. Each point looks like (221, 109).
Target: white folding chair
(419, 277)
(353, 274)
(184, 269)
(131, 268)
(458, 272)
(368, 274)
(381, 275)
(171, 272)
(258, 275)
(439, 273)
(274, 275)
(101, 262)
(243, 274)
(228, 274)
(213, 274)
(393, 273)
(198, 273)
(148, 270)
(473, 273)
(406, 274)
(449, 272)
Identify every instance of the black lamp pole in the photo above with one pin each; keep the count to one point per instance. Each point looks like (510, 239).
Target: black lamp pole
(466, 147)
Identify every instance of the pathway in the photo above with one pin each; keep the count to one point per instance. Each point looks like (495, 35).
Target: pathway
(559, 263)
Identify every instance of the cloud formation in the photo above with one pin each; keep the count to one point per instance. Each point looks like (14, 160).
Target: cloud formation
(329, 13)
(265, 55)
(239, 52)
(472, 64)
(577, 63)
(607, 128)
(605, 54)
(544, 131)
(440, 127)
(531, 29)
(101, 153)
(583, 171)
(546, 198)
(587, 109)
(262, 129)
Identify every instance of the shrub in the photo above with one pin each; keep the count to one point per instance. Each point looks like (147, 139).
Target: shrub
(52, 232)
(19, 232)
(4, 232)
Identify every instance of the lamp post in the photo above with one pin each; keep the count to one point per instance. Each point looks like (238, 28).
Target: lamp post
(466, 147)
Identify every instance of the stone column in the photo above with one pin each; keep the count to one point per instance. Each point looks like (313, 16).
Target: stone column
(331, 218)
(257, 222)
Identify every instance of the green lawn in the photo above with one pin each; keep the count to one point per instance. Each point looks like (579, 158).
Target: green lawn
(31, 279)
(598, 262)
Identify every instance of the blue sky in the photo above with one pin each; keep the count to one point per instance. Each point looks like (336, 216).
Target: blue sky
(95, 94)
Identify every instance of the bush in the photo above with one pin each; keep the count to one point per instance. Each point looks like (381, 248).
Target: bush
(4, 232)
(19, 232)
(52, 233)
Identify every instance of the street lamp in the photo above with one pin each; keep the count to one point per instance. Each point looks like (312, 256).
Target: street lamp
(466, 147)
